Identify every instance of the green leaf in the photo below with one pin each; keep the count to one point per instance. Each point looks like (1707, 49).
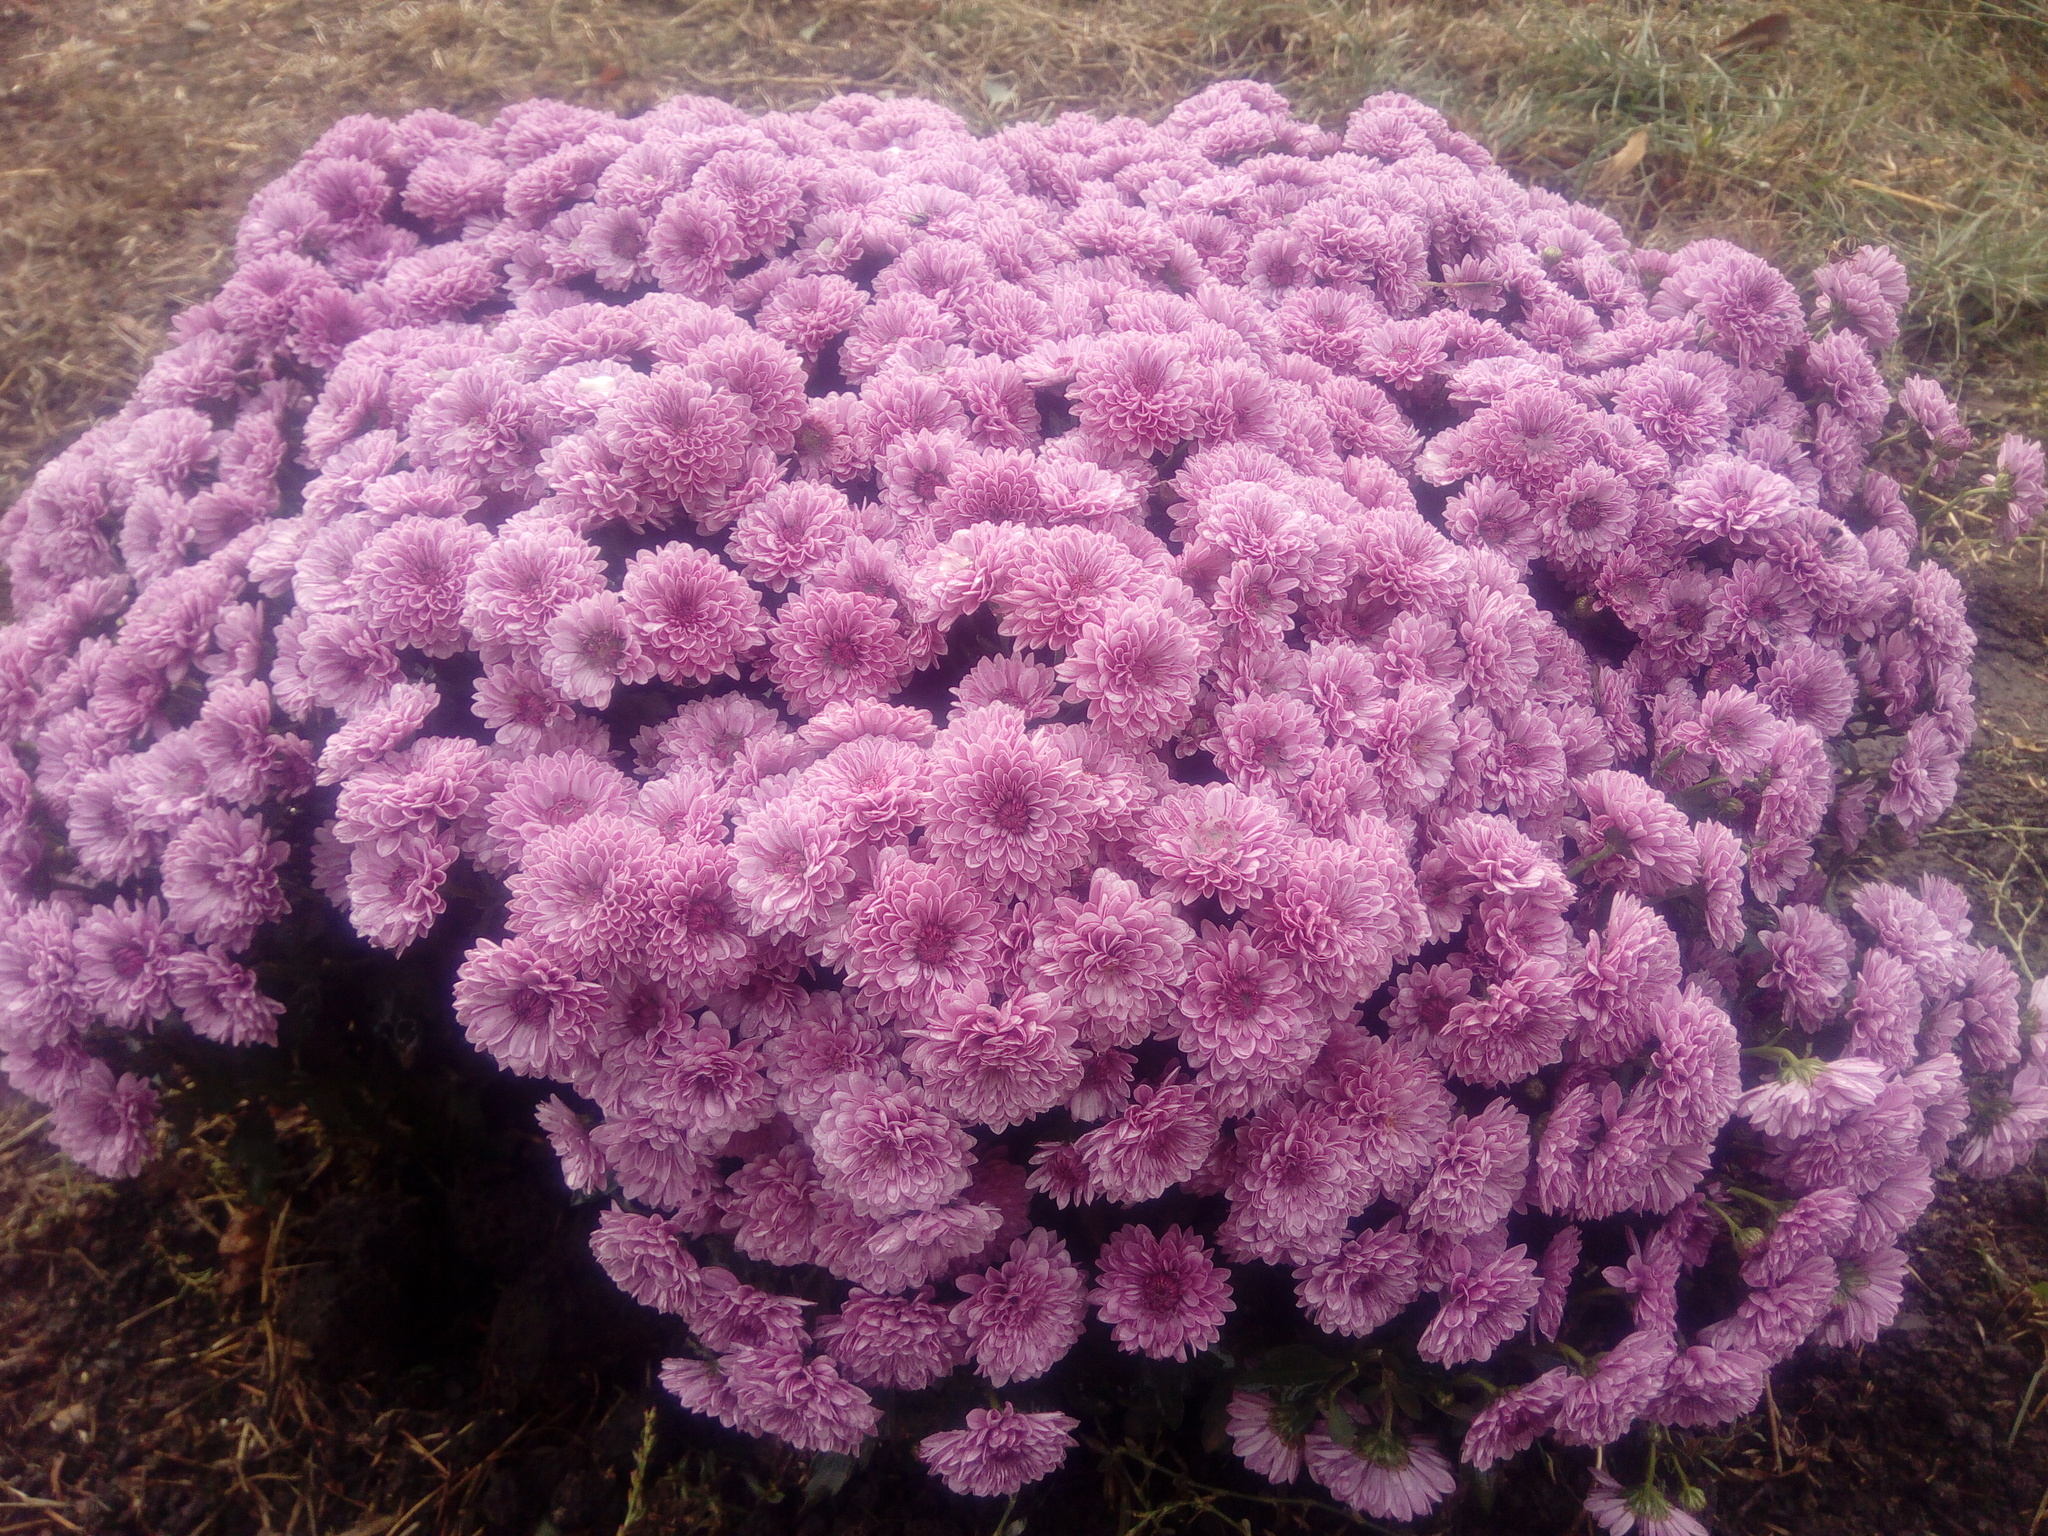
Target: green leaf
(252, 1152)
(1291, 1365)
(1158, 1401)
(1342, 1429)
(1000, 93)
(829, 1473)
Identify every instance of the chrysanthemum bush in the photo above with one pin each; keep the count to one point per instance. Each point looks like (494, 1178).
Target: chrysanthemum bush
(1056, 732)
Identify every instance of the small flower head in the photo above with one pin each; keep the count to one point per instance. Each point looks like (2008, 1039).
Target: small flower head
(1161, 1294)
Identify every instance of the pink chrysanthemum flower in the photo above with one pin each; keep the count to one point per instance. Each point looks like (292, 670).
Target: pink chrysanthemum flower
(1480, 1303)
(1006, 805)
(1266, 1435)
(1136, 393)
(1343, 913)
(999, 1451)
(900, 1342)
(1059, 1173)
(1396, 1103)
(772, 1206)
(1643, 1510)
(1809, 963)
(582, 890)
(791, 532)
(1868, 1301)
(1704, 1387)
(1514, 1031)
(922, 929)
(676, 440)
(379, 730)
(1381, 1475)
(901, 1252)
(882, 1147)
(1600, 1403)
(1105, 1085)
(1244, 1013)
(2022, 478)
(1367, 1284)
(993, 1064)
(1294, 1184)
(701, 1387)
(591, 647)
(694, 615)
(707, 1086)
(1138, 669)
(1732, 498)
(1164, 1135)
(220, 878)
(525, 579)
(1554, 1274)
(1721, 863)
(777, 1391)
(554, 790)
(644, 1260)
(519, 704)
(825, 1042)
(1479, 1172)
(124, 955)
(696, 932)
(1118, 957)
(1023, 685)
(1162, 1294)
(1021, 1317)
(1634, 835)
(879, 786)
(1514, 1421)
(103, 1123)
(1733, 728)
(1809, 1095)
(828, 647)
(1629, 971)
(1411, 736)
(1064, 581)
(1215, 841)
(394, 888)
(790, 865)
(727, 1314)
(533, 1016)
(411, 581)
(583, 1166)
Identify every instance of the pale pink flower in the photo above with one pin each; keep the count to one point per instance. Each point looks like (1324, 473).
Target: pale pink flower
(1265, 1436)
(999, 1451)
(1022, 1316)
(1161, 1293)
(882, 1147)
(1381, 1475)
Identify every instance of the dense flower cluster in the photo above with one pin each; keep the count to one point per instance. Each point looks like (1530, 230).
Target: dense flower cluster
(1278, 681)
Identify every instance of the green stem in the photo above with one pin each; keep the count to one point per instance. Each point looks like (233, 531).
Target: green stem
(1276, 1501)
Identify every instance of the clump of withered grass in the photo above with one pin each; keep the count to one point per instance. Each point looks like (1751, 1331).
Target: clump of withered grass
(131, 134)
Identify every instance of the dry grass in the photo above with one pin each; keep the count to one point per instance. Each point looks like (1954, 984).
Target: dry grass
(131, 133)
(147, 1382)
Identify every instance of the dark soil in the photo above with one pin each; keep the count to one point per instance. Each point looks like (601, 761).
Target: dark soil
(446, 1357)
(1910, 1435)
